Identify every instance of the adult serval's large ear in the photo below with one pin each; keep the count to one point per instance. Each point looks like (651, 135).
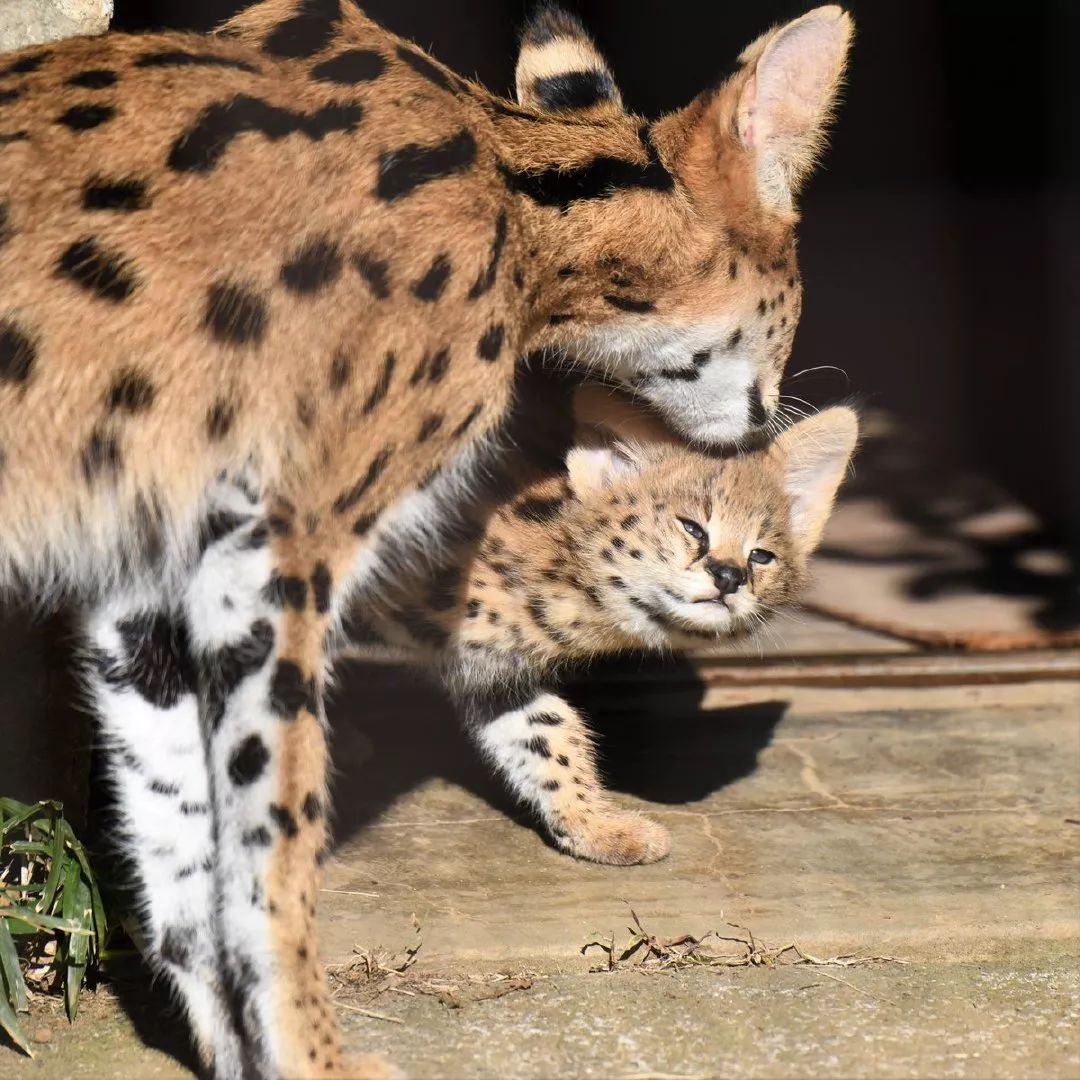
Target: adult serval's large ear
(559, 68)
(775, 110)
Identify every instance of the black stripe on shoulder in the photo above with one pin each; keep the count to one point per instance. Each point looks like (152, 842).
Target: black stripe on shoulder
(571, 90)
(308, 32)
(602, 178)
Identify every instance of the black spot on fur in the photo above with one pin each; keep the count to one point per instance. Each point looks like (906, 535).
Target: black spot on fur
(422, 65)
(626, 303)
(350, 67)
(94, 79)
(734, 338)
(382, 385)
(701, 358)
(217, 525)
(340, 372)
(312, 807)
(538, 510)
(106, 274)
(539, 745)
(18, 353)
(375, 273)
(430, 286)
(181, 58)
(127, 195)
(235, 315)
(314, 266)
(286, 590)
(155, 661)
(248, 761)
(175, 947)
(762, 308)
(691, 374)
(629, 521)
(13, 136)
(7, 230)
(284, 820)
(131, 392)
(202, 146)
(544, 719)
(487, 277)
(348, 499)
(362, 525)
(467, 423)
(603, 177)
(26, 64)
(308, 31)
(437, 365)
(490, 345)
(404, 170)
(101, 454)
(86, 117)
(290, 691)
(559, 318)
(219, 419)
(321, 583)
(573, 90)
(257, 837)
(225, 669)
(8, 96)
(430, 425)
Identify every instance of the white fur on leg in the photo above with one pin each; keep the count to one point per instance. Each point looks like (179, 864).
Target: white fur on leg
(150, 721)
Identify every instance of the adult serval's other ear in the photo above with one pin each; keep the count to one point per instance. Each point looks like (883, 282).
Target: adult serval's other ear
(559, 68)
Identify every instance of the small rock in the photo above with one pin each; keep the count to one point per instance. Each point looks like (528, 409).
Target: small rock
(41, 1035)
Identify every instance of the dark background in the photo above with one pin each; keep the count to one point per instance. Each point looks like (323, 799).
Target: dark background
(941, 236)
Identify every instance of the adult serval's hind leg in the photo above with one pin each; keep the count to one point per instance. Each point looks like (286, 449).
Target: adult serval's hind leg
(258, 613)
(141, 677)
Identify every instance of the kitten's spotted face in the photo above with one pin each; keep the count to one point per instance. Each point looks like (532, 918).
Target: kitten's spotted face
(682, 548)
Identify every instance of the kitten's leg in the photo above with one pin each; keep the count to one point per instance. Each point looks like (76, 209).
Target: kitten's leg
(258, 612)
(544, 749)
(141, 677)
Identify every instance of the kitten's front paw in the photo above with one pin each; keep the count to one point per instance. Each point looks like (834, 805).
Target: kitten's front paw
(622, 838)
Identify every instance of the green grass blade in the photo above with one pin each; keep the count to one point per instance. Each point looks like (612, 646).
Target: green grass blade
(56, 868)
(39, 921)
(79, 947)
(9, 1022)
(100, 923)
(12, 972)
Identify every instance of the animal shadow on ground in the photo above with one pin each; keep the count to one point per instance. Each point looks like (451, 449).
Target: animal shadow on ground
(393, 730)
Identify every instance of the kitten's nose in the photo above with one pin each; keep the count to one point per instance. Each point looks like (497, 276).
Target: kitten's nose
(729, 578)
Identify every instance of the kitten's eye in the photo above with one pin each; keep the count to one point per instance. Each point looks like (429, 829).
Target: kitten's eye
(761, 556)
(693, 528)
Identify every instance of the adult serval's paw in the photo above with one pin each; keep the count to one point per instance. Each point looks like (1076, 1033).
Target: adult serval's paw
(620, 838)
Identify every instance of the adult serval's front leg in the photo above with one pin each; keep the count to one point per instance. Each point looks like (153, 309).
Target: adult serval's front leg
(258, 611)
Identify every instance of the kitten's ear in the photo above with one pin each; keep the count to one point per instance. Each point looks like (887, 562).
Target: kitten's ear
(560, 70)
(776, 108)
(615, 414)
(814, 455)
(595, 468)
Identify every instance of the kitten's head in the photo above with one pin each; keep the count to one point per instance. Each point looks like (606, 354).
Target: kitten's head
(680, 546)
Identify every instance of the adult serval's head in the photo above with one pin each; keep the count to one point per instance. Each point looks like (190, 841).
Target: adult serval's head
(668, 257)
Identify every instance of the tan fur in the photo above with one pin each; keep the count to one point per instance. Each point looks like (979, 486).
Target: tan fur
(130, 378)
